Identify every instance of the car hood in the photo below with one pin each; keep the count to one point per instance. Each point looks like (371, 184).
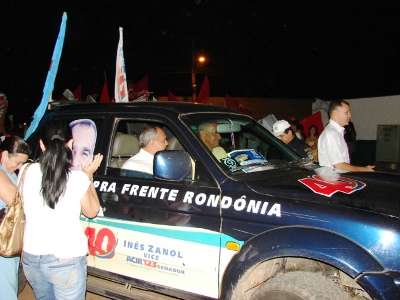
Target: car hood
(372, 191)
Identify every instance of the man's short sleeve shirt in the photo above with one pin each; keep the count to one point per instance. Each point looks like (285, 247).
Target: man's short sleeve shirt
(332, 147)
(142, 162)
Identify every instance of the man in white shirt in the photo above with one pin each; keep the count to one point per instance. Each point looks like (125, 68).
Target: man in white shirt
(152, 139)
(332, 147)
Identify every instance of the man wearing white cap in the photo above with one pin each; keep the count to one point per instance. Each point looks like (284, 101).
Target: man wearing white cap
(283, 131)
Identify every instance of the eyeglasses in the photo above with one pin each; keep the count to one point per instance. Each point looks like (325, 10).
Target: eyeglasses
(212, 132)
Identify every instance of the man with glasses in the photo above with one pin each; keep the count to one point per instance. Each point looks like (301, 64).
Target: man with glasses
(210, 137)
(152, 139)
(332, 147)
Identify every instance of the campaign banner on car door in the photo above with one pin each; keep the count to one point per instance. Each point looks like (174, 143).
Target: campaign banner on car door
(159, 253)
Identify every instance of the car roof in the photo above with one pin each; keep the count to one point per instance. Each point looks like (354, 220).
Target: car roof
(178, 107)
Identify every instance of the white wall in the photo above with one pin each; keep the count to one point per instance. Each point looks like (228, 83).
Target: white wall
(367, 113)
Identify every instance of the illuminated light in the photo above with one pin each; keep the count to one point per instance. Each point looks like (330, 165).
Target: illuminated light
(232, 246)
(202, 59)
(387, 238)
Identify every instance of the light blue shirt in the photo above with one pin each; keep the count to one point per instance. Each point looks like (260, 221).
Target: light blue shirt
(13, 177)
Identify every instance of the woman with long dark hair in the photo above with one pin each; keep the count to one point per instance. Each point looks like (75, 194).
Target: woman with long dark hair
(14, 152)
(55, 246)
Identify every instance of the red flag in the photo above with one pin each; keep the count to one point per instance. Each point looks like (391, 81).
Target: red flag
(78, 93)
(142, 85)
(314, 119)
(134, 89)
(204, 91)
(105, 96)
(171, 97)
(143, 96)
(236, 105)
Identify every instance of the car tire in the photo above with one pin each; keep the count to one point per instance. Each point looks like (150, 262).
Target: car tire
(300, 286)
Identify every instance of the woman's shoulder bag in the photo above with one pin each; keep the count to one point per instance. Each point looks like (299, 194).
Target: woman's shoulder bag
(12, 226)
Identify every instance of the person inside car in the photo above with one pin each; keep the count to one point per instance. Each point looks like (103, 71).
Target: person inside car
(152, 139)
(211, 138)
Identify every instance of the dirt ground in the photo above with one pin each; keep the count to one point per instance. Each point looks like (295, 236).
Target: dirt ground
(27, 294)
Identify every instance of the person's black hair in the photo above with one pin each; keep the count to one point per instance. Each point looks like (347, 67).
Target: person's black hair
(295, 123)
(289, 129)
(334, 104)
(55, 161)
(15, 145)
(316, 129)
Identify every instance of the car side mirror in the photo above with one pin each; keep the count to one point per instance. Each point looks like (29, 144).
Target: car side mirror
(174, 165)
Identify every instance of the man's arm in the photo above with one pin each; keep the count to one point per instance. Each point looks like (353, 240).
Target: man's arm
(348, 167)
(219, 153)
(8, 189)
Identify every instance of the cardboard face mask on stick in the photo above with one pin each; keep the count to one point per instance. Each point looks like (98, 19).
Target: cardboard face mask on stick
(84, 134)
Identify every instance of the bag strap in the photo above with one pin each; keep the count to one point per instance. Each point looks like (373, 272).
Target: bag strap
(21, 182)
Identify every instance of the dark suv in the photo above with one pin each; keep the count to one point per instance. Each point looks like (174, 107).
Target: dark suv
(260, 223)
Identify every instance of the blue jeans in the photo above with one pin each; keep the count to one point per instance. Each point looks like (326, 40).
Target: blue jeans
(9, 277)
(52, 278)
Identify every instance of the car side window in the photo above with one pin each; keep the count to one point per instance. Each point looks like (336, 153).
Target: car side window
(127, 158)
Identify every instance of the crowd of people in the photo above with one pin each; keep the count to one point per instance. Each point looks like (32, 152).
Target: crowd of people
(335, 146)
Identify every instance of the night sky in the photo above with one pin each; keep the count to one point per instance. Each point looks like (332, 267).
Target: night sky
(279, 49)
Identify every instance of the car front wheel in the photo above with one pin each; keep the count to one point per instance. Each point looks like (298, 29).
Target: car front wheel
(300, 286)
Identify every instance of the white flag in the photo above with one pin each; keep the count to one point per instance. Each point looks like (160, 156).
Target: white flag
(121, 89)
(69, 95)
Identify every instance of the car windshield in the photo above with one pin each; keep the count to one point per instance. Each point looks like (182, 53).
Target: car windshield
(240, 144)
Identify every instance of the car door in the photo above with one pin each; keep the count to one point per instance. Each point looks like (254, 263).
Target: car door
(164, 232)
